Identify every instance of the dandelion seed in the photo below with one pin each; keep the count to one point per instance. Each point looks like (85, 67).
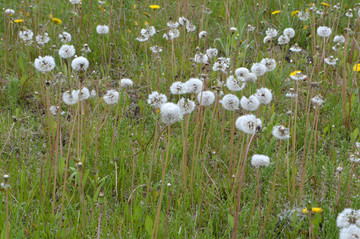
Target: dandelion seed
(44, 64)
(80, 64)
(269, 63)
(348, 217)
(187, 106)
(102, 29)
(66, 51)
(178, 88)
(249, 104)
(206, 98)
(324, 31)
(170, 113)
(71, 98)
(258, 69)
(351, 232)
(289, 32)
(211, 52)
(250, 28)
(53, 110)
(336, 47)
(263, 95)
(291, 94)
(142, 38)
(111, 97)
(281, 132)
(149, 32)
(235, 84)
(260, 160)
(156, 100)
(248, 124)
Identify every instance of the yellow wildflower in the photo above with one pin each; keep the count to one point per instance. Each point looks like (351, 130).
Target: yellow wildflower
(306, 27)
(134, 6)
(325, 4)
(19, 20)
(357, 67)
(136, 23)
(294, 73)
(295, 13)
(154, 6)
(314, 210)
(56, 20)
(275, 12)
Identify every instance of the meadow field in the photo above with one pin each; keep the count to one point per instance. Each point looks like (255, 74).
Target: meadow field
(180, 119)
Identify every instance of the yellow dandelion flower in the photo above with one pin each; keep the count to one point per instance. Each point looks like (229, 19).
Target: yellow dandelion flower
(294, 73)
(154, 6)
(19, 20)
(307, 10)
(275, 12)
(294, 13)
(136, 23)
(325, 4)
(314, 210)
(56, 20)
(306, 27)
(134, 6)
(356, 67)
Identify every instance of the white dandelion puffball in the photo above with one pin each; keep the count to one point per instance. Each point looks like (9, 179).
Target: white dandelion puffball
(324, 31)
(354, 158)
(66, 51)
(111, 97)
(172, 34)
(156, 49)
(249, 104)
(126, 83)
(248, 124)
(351, 232)
(71, 98)
(206, 98)
(84, 94)
(75, 1)
(331, 61)
(156, 100)
(102, 29)
(26, 35)
(339, 39)
(92, 93)
(267, 39)
(233, 29)
(187, 106)
(86, 48)
(203, 34)
(190, 27)
(263, 95)
(281, 132)
(170, 113)
(148, 32)
(271, 32)
(289, 32)
(317, 100)
(348, 217)
(295, 48)
(299, 76)
(172, 24)
(258, 69)
(241, 72)
(269, 63)
(65, 37)
(283, 40)
(42, 39)
(222, 64)
(230, 102)
(212, 52)
(303, 16)
(201, 58)
(183, 21)
(251, 77)
(235, 84)
(10, 12)
(80, 64)
(193, 86)
(259, 160)
(44, 64)
(178, 88)
(142, 38)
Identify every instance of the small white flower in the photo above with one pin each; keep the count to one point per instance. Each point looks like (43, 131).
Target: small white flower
(80, 64)
(202, 34)
(183, 21)
(53, 110)
(149, 32)
(324, 31)
(249, 104)
(222, 64)
(178, 88)
(235, 84)
(102, 29)
(351, 232)
(263, 95)
(126, 83)
(281, 132)
(259, 160)
(65, 37)
(206, 98)
(66, 51)
(269, 63)
(211, 52)
(44, 64)
(267, 39)
(71, 98)
(233, 29)
(348, 217)
(230, 102)
(289, 32)
(92, 93)
(111, 97)
(186, 106)
(283, 40)
(339, 39)
(170, 113)
(42, 39)
(271, 32)
(193, 86)
(156, 100)
(258, 69)
(249, 124)
(349, 13)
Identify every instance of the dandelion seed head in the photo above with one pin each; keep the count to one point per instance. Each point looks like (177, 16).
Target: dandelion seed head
(248, 124)
(80, 64)
(170, 113)
(178, 88)
(42, 39)
(289, 32)
(348, 217)
(241, 72)
(44, 64)
(70, 98)
(187, 106)
(264, 95)
(351, 232)
(269, 63)
(258, 69)
(65, 37)
(206, 98)
(271, 32)
(126, 83)
(193, 86)
(102, 29)
(211, 52)
(281, 132)
(249, 104)
(324, 31)
(230, 102)
(260, 160)
(156, 100)
(200, 58)
(235, 84)
(66, 51)
(111, 97)
(283, 40)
